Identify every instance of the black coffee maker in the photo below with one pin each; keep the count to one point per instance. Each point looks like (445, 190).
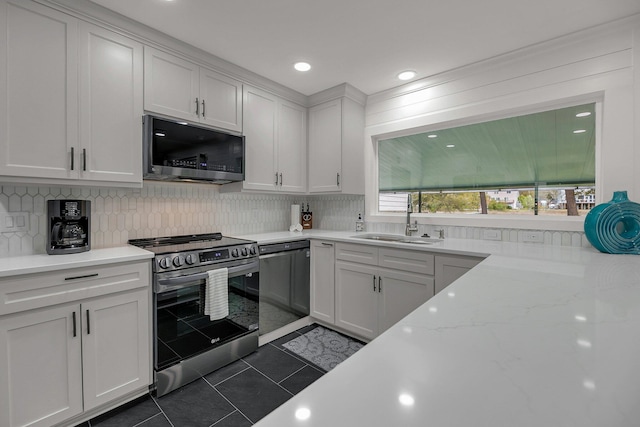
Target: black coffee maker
(69, 226)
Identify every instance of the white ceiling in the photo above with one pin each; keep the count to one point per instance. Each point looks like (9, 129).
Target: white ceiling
(365, 42)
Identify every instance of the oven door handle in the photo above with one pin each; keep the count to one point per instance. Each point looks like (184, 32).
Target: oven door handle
(178, 282)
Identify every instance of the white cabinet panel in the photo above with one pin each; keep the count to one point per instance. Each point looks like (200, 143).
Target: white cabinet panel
(115, 346)
(221, 104)
(39, 92)
(171, 85)
(40, 367)
(323, 281)
(110, 106)
(260, 109)
(292, 147)
(449, 268)
(400, 294)
(325, 147)
(357, 298)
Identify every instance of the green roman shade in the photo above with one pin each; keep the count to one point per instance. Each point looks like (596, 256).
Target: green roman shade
(516, 152)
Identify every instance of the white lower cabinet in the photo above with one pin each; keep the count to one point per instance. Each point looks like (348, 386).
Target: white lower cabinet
(369, 297)
(322, 281)
(449, 268)
(58, 362)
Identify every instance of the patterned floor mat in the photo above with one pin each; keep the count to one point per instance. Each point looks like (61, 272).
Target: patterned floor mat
(323, 347)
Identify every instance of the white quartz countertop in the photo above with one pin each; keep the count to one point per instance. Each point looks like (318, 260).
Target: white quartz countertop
(16, 265)
(534, 335)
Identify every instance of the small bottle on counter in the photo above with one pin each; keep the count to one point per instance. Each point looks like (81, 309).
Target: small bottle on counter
(359, 223)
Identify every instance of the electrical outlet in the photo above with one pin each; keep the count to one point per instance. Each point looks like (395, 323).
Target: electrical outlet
(13, 222)
(491, 235)
(533, 236)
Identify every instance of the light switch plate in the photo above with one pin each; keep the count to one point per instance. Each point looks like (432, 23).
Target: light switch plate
(14, 222)
(492, 235)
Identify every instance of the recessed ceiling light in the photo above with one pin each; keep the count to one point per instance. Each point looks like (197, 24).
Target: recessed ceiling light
(183, 123)
(302, 66)
(407, 75)
(450, 146)
(160, 134)
(583, 114)
(433, 135)
(579, 131)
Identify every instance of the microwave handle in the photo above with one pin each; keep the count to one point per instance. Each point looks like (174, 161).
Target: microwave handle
(173, 283)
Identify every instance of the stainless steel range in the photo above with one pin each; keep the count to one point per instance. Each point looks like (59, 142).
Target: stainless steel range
(187, 342)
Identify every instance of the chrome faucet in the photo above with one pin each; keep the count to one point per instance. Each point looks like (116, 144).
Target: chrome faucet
(440, 233)
(410, 227)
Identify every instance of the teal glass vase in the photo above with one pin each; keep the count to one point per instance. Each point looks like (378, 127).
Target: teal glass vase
(614, 227)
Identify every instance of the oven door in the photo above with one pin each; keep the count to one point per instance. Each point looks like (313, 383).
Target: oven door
(182, 330)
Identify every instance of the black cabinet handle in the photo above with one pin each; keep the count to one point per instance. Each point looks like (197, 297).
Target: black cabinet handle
(374, 283)
(197, 107)
(338, 179)
(379, 283)
(86, 276)
(73, 317)
(280, 180)
(203, 108)
(276, 178)
(88, 323)
(84, 159)
(72, 158)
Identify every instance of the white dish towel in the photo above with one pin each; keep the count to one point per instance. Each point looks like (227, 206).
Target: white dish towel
(216, 301)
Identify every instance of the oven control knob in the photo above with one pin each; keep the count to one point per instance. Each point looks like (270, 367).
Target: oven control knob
(252, 251)
(244, 252)
(234, 253)
(190, 259)
(165, 262)
(178, 261)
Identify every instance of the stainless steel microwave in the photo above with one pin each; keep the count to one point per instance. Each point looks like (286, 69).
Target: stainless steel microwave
(175, 150)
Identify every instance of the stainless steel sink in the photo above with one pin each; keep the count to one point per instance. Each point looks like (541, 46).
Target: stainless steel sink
(398, 238)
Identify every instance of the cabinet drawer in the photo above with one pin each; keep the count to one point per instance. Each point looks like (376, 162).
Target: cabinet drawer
(411, 261)
(361, 254)
(31, 291)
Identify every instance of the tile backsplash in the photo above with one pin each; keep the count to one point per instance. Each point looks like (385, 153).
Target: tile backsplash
(163, 209)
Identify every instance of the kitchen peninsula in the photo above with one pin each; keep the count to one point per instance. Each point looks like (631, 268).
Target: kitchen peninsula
(534, 335)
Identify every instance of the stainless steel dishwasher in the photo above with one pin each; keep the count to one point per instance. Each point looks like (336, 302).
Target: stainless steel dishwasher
(284, 284)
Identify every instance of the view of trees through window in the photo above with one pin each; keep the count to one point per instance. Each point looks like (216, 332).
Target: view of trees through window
(551, 201)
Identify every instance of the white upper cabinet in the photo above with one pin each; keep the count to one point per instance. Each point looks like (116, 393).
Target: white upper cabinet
(275, 132)
(38, 92)
(71, 100)
(110, 106)
(181, 89)
(336, 138)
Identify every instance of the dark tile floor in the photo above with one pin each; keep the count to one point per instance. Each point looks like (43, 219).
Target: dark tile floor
(237, 395)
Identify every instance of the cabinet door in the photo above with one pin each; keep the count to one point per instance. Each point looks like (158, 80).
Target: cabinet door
(171, 85)
(449, 268)
(400, 294)
(38, 91)
(110, 106)
(323, 281)
(357, 299)
(292, 147)
(40, 367)
(325, 147)
(221, 100)
(260, 110)
(115, 346)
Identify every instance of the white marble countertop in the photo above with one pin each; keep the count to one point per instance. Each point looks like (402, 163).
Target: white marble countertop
(534, 335)
(13, 266)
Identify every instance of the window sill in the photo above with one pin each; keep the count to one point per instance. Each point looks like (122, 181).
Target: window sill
(518, 222)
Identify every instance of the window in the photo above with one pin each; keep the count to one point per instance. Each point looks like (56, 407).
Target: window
(541, 163)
